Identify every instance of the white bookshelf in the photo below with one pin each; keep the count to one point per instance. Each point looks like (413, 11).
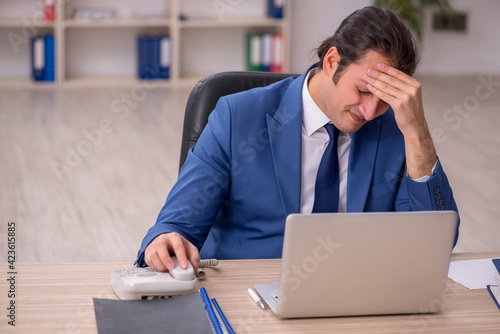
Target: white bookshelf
(96, 53)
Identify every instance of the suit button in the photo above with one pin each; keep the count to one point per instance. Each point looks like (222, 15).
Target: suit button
(436, 190)
(439, 202)
(441, 207)
(437, 197)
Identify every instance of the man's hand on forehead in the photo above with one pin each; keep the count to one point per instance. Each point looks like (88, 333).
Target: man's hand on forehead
(402, 92)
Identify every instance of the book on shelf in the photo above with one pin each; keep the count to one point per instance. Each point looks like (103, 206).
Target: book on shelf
(275, 9)
(265, 52)
(154, 56)
(43, 58)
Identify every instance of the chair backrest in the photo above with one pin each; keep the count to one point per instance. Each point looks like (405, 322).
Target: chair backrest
(207, 92)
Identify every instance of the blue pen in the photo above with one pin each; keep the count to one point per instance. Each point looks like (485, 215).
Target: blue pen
(210, 311)
(223, 317)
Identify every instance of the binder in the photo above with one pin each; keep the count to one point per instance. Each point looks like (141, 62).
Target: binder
(253, 52)
(275, 8)
(43, 58)
(266, 52)
(50, 63)
(494, 290)
(165, 47)
(496, 263)
(191, 313)
(277, 51)
(142, 57)
(38, 58)
(154, 57)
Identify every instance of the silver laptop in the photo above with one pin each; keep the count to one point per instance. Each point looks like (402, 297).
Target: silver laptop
(345, 264)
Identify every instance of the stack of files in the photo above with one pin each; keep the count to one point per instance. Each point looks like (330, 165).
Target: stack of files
(154, 57)
(265, 52)
(275, 8)
(43, 58)
(495, 289)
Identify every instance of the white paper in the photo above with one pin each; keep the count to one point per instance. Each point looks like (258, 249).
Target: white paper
(473, 274)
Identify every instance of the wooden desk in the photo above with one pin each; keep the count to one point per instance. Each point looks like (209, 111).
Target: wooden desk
(57, 298)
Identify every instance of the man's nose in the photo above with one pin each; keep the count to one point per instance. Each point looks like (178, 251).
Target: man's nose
(372, 107)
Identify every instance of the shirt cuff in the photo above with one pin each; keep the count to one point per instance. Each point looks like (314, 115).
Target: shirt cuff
(424, 178)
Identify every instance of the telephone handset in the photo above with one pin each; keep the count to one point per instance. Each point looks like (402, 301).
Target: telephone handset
(148, 283)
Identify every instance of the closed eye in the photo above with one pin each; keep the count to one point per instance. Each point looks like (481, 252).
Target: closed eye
(363, 93)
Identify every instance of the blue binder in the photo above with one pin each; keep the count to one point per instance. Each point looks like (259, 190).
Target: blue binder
(164, 57)
(154, 56)
(494, 290)
(266, 52)
(142, 57)
(50, 61)
(275, 9)
(37, 58)
(152, 64)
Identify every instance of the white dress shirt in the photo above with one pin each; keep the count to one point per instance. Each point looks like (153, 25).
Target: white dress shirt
(315, 139)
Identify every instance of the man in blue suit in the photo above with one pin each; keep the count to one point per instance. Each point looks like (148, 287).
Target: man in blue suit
(257, 159)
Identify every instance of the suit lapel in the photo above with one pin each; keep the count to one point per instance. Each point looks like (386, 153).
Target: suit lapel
(285, 129)
(362, 157)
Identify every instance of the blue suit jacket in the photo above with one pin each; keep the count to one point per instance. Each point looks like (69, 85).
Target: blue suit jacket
(243, 177)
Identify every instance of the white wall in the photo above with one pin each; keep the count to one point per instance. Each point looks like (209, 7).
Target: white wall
(312, 22)
(443, 53)
(476, 51)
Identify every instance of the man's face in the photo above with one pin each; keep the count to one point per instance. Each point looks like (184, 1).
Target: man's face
(349, 104)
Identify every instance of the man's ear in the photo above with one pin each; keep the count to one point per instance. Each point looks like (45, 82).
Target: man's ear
(331, 61)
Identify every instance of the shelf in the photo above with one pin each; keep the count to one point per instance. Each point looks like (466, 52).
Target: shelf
(125, 81)
(233, 22)
(20, 23)
(98, 53)
(118, 23)
(24, 83)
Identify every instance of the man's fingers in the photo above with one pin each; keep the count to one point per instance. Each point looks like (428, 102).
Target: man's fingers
(158, 254)
(372, 76)
(177, 243)
(157, 264)
(395, 73)
(164, 257)
(387, 91)
(153, 259)
(193, 254)
(389, 99)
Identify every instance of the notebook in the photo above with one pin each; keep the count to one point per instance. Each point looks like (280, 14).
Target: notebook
(190, 313)
(346, 264)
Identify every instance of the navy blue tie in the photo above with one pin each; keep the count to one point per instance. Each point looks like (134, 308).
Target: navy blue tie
(326, 190)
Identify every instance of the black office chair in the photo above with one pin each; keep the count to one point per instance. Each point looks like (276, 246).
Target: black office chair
(207, 92)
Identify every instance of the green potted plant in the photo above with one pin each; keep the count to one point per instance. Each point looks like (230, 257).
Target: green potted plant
(412, 11)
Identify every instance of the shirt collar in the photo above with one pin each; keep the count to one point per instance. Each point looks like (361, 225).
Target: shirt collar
(313, 118)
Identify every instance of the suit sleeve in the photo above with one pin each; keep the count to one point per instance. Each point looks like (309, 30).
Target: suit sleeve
(196, 198)
(434, 194)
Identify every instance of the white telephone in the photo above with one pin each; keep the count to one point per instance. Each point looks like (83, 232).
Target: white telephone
(147, 283)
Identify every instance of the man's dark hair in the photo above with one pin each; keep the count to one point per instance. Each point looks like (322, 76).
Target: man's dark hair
(372, 29)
